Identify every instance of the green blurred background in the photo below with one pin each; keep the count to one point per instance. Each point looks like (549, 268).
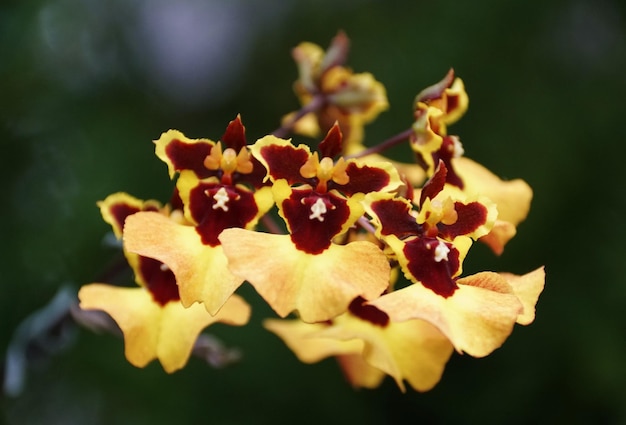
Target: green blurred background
(87, 84)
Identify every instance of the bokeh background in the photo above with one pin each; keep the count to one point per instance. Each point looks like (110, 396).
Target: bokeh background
(86, 85)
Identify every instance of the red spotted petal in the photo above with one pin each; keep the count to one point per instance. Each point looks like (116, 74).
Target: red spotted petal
(363, 179)
(235, 138)
(118, 206)
(284, 162)
(190, 156)
(445, 154)
(256, 177)
(394, 218)
(436, 90)
(235, 135)
(435, 184)
(120, 211)
(215, 207)
(314, 219)
(470, 217)
(175, 202)
(369, 313)
(424, 267)
(160, 280)
(331, 146)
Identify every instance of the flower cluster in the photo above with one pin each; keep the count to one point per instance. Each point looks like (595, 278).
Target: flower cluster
(366, 265)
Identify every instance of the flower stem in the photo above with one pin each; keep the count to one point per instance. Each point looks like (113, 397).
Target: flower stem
(271, 225)
(365, 224)
(314, 105)
(389, 143)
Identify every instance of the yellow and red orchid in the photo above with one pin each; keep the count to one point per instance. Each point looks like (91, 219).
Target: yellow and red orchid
(353, 221)
(153, 321)
(438, 106)
(476, 313)
(512, 198)
(368, 346)
(220, 186)
(318, 200)
(430, 244)
(334, 93)
(478, 316)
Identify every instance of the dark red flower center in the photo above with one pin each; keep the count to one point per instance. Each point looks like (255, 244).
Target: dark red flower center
(216, 207)
(314, 219)
(369, 313)
(160, 280)
(433, 262)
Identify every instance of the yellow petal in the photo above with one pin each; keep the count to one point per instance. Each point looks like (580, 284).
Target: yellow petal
(128, 203)
(360, 373)
(414, 350)
(477, 318)
(167, 138)
(357, 93)
(319, 287)
(300, 338)
(308, 57)
(181, 326)
(201, 271)
(305, 126)
(527, 288)
(134, 311)
(500, 234)
(462, 101)
(153, 331)
(512, 197)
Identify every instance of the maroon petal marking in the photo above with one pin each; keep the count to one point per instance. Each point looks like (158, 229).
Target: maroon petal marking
(434, 275)
(331, 146)
(160, 280)
(284, 162)
(395, 219)
(190, 156)
(235, 135)
(256, 177)
(364, 179)
(203, 206)
(409, 191)
(452, 102)
(445, 155)
(121, 210)
(313, 235)
(436, 90)
(435, 184)
(470, 217)
(369, 313)
(175, 201)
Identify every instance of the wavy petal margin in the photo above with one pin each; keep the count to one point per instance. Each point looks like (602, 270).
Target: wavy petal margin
(477, 318)
(201, 271)
(319, 287)
(167, 333)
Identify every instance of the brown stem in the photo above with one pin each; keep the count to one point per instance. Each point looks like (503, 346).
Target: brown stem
(365, 224)
(389, 143)
(271, 225)
(314, 105)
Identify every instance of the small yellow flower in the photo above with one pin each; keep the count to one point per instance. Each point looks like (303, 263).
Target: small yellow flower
(369, 345)
(220, 186)
(319, 200)
(343, 97)
(154, 322)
